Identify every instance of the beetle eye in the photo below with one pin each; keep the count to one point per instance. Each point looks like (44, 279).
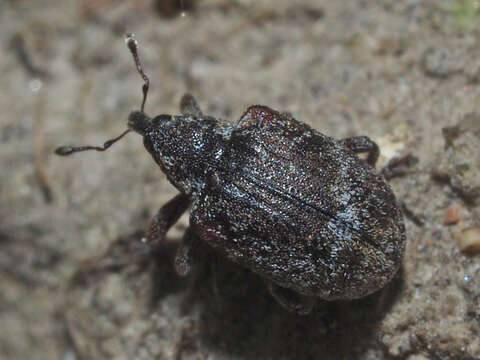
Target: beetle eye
(148, 145)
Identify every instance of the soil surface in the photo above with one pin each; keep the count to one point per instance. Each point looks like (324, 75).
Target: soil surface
(75, 284)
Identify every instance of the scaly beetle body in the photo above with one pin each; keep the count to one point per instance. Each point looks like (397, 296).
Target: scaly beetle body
(295, 206)
(298, 208)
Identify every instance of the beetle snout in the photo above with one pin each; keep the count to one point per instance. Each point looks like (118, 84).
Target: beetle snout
(139, 122)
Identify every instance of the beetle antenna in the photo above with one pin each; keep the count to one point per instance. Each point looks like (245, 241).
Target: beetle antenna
(69, 150)
(133, 47)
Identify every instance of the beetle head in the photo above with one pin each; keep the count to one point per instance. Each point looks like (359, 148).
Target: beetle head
(139, 122)
(184, 146)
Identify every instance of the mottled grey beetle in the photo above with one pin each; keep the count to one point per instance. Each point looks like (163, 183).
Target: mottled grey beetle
(298, 208)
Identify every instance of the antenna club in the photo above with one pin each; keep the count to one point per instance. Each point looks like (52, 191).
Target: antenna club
(64, 150)
(132, 45)
(131, 42)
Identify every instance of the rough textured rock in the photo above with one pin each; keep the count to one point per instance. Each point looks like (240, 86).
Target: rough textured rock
(76, 283)
(460, 164)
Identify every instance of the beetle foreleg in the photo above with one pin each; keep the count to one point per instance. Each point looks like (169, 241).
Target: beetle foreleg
(165, 218)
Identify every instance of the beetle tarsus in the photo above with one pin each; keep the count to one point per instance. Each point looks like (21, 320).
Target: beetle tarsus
(398, 166)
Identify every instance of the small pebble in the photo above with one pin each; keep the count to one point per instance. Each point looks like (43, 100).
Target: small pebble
(468, 240)
(452, 215)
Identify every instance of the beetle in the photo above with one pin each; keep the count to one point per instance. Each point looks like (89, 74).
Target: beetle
(299, 208)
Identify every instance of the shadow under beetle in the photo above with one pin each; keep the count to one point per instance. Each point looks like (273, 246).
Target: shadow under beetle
(298, 208)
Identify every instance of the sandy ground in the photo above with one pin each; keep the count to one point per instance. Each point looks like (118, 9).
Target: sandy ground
(72, 284)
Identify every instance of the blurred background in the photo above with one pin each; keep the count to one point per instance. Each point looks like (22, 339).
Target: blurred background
(73, 284)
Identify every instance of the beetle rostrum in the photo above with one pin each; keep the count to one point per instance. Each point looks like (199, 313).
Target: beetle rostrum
(297, 207)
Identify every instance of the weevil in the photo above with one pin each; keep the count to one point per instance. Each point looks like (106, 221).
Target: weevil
(299, 208)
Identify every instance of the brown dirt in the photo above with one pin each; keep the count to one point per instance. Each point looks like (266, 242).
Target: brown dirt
(73, 282)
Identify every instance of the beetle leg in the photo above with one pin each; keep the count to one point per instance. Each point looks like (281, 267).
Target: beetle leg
(165, 218)
(185, 256)
(189, 106)
(360, 144)
(398, 166)
(292, 301)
